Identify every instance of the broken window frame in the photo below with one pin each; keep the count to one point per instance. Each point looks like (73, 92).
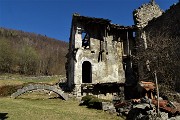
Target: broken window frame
(85, 40)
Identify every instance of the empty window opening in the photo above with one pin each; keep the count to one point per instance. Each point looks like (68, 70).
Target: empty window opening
(125, 47)
(86, 72)
(101, 50)
(85, 40)
(134, 34)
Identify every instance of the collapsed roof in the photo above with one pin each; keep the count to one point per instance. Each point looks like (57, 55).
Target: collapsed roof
(100, 21)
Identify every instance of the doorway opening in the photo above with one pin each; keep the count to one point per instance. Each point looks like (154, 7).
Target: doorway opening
(86, 72)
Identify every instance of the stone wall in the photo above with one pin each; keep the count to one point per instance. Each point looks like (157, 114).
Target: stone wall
(164, 38)
(162, 49)
(109, 69)
(142, 16)
(146, 13)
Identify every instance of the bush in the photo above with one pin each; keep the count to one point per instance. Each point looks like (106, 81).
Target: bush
(85, 100)
(8, 90)
(93, 102)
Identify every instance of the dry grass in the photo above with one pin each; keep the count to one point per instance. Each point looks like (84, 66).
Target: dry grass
(10, 82)
(10, 79)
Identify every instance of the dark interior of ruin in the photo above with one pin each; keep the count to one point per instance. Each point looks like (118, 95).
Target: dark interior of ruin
(86, 72)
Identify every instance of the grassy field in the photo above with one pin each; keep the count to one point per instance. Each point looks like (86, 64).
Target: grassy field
(38, 106)
(11, 79)
(50, 109)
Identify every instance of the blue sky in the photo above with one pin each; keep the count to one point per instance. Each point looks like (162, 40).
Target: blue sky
(53, 17)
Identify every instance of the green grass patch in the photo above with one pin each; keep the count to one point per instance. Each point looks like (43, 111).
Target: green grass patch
(50, 109)
(38, 94)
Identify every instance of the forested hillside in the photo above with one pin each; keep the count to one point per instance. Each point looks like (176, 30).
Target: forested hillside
(31, 54)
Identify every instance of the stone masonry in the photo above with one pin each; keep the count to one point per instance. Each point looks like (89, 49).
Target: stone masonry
(142, 16)
(146, 13)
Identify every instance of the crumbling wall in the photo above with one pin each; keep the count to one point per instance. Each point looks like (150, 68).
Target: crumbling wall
(106, 67)
(70, 60)
(142, 16)
(164, 40)
(162, 52)
(146, 13)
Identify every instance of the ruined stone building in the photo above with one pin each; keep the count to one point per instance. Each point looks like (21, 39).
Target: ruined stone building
(96, 52)
(102, 53)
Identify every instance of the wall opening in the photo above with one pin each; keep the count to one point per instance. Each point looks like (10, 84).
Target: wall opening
(86, 72)
(134, 34)
(85, 40)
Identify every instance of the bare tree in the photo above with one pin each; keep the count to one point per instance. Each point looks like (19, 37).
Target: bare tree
(161, 55)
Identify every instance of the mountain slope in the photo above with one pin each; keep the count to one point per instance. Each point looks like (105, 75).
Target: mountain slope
(31, 54)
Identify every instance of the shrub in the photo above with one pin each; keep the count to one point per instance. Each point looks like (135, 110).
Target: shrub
(93, 102)
(8, 90)
(85, 100)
